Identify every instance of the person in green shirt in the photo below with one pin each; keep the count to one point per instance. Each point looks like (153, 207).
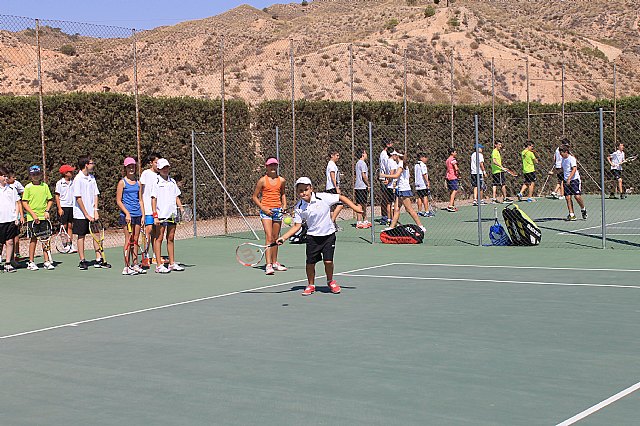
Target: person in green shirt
(529, 162)
(498, 174)
(37, 201)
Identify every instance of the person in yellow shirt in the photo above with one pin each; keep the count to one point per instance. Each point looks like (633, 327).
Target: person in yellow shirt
(498, 174)
(529, 162)
(37, 201)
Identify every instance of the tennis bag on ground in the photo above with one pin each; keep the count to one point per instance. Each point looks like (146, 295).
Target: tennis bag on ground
(403, 234)
(522, 230)
(498, 235)
(300, 237)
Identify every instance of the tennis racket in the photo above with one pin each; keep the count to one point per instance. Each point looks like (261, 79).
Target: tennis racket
(629, 159)
(97, 233)
(130, 249)
(511, 172)
(250, 254)
(144, 253)
(43, 231)
(182, 216)
(63, 241)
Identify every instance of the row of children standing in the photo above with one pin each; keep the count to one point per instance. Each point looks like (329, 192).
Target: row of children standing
(77, 198)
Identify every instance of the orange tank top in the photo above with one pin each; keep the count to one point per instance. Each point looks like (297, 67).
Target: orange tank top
(271, 194)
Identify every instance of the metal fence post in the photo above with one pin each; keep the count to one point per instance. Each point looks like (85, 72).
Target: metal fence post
(478, 180)
(452, 87)
(405, 100)
(194, 184)
(224, 137)
(135, 99)
(493, 104)
(353, 118)
(372, 179)
(293, 104)
(278, 147)
(602, 188)
(529, 101)
(563, 117)
(41, 102)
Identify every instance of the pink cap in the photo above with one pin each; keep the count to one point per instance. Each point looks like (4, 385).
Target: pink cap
(271, 161)
(128, 161)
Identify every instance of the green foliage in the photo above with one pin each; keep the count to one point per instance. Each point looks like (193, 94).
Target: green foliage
(391, 24)
(304, 3)
(454, 22)
(412, 2)
(68, 49)
(429, 11)
(595, 53)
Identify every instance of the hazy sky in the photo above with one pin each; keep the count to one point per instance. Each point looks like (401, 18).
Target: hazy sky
(139, 14)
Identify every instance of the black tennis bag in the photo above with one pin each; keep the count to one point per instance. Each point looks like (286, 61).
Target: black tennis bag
(403, 234)
(522, 230)
(300, 237)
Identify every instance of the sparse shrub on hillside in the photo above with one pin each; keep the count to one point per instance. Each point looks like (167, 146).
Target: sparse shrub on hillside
(304, 3)
(67, 49)
(122, 79)
(595, 52)
(454, 22)
(474, 45)
(391, 24)
(429, 11)
(412, 2)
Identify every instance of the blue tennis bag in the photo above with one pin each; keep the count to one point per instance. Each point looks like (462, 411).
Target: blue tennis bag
(498, 235)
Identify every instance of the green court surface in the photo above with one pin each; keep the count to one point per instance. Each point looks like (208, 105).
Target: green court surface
(419, 335)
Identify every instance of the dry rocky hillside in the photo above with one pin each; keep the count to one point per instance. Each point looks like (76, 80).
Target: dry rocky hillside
(589, 37)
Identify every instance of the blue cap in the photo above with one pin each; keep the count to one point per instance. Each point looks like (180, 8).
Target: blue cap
(478, 145)
(34, 169)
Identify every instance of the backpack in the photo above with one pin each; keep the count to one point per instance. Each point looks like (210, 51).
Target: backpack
(498, 235)
(300, 237)
(522, 230)
(403, 234)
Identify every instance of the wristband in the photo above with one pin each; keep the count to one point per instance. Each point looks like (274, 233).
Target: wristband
(155, 215)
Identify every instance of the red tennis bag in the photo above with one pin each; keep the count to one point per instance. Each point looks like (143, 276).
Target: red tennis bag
(403, 234)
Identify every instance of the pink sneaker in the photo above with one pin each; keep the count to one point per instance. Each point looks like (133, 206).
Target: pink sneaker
(309, 290)
(334, 287)
(278, 267)
(268, 270)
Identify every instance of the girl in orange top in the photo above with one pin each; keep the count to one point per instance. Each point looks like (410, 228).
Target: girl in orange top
(269, 197)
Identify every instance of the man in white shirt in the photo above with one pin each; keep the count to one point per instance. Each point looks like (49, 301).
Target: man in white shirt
(148, 179)
(387, 196)
(362, 190)
(558, 192)
(572, 183)
(314, 209)
(333, 183)
(85, 209)
(616, 159)
(64, 202)
(474, 175)
(10, 217)
(423, 186)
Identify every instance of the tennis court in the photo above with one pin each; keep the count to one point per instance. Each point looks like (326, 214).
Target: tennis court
(419, 335)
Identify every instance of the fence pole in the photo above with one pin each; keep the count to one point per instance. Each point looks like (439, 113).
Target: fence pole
(528, 101)
(278, 147)
(224, 135)
(615, 104)
(353, 119)
(135, 99)
(563, 78)
(194, 184)
(293, 104)
(478, 180)
(452, 81)
(372, 179)
(602, 188)
(41, 102)
(493, 103)
(404, 95)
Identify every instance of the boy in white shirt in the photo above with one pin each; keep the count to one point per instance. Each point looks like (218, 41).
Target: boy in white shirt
(148, 179)
(423, 186)
(65, 200)
(474, 176)
(616, 159)
(165, 202)
(315, 210)
(362, 190)
(85, 210)
(386, 198)
(572, 183)
(333, 184)
(10, 217)
(15, 184)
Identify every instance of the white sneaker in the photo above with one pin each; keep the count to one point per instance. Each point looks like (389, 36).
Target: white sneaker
(139, 269)
(162, 269)
(49, 265)
(128, 271)
(268, 270)
(32, 266)
(278, 267)
(176, 267)
(423, 229)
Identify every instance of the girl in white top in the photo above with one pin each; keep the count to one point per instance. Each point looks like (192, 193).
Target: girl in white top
(616, 159)
(333, 183)
(403, 192)
(165, 202)
(148, 179)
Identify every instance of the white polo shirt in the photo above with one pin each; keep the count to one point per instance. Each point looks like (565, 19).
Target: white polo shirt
(617, 158)
(361, 168)
(403, 180)
(567, 165)
(384, 161)
(18, 187)
(332, 167)
(420, 170)
(8, 199)
(474, 170)
(392, 166)
(85, 187)
(317, 213)
(65, 190)
(148, 179)
(165, 193)
(557, 159)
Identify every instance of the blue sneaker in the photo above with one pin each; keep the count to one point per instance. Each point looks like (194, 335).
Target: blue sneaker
(429, 214)
(423, 214)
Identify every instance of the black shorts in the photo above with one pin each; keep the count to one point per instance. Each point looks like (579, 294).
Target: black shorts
(423, 192)
(320, 248)
(530, 177)
(499, 179)
(81, 227)
(388, 194)
(67, 215)
(362, 197)
(8, 231)
(135, 220)
(560, 175)
(574, 187)
(474, 181)
(616, 174)
(333, 191)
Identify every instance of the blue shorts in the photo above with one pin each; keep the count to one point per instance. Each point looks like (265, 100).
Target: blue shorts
(148, 220)
(452, 184)
(135, 220)
(574, 187)
(276, 215)
(404, 194)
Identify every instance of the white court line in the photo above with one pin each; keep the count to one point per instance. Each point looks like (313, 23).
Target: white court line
(545, 268)
(477, 280)
(186, 302)
(597, 226)
(600, 405)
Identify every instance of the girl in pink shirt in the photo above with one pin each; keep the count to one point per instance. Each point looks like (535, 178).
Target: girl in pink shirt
(452, 178)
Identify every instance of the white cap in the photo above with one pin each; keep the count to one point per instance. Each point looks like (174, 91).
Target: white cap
(162, 163)
(397, 153)
(303, 180)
